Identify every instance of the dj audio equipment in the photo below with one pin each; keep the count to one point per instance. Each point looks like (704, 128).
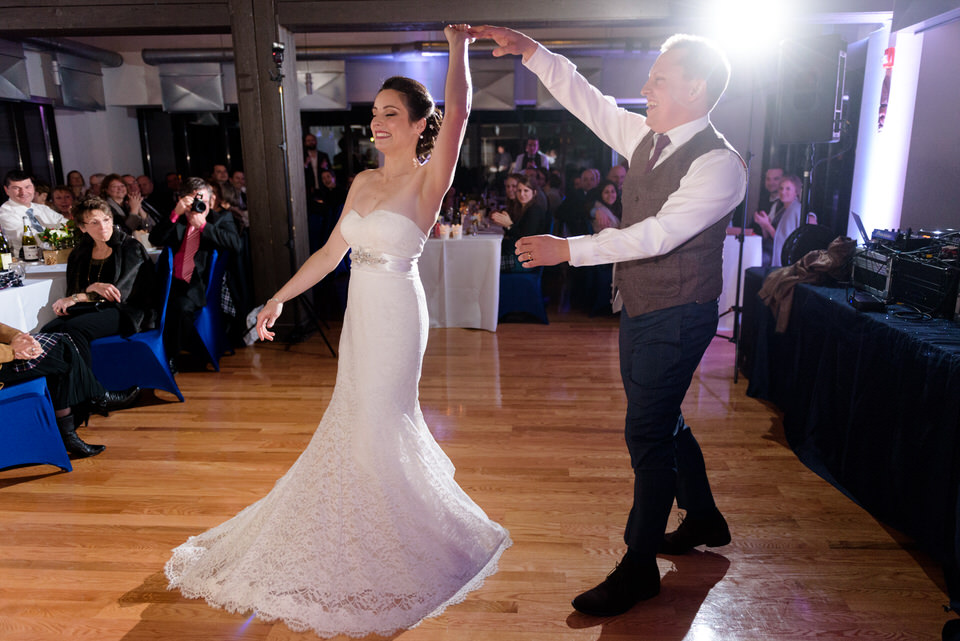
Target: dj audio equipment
(929, 286)
(873, 272)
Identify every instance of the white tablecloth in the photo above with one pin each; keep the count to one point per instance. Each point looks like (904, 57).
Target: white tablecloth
(752, 257)
(29, 308)
(461, 278)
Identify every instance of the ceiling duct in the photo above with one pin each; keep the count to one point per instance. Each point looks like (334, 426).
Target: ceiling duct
(14, 84)
(359, 52)
(80, 81)
(191, 87)
(103, 56)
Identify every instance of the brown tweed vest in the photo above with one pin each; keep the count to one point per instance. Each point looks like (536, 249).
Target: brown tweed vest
(689, 273)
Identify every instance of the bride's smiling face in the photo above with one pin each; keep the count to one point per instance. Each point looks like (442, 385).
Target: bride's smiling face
(391, 125)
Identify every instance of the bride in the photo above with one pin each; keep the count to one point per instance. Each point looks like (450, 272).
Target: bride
(367, 532)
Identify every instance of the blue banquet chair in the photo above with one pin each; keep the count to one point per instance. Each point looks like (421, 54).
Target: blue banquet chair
(139, 359)
(209, 320)
(521, 293)
(28, 430)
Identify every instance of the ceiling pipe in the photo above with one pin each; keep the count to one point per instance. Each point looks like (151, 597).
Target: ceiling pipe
(582, 47)
(103, 56)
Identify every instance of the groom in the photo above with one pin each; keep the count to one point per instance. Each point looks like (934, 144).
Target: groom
(683, 183)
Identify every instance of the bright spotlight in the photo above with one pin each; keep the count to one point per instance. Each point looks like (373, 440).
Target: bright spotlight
(750, 25)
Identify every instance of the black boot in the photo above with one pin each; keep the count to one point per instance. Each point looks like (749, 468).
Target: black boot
(632, 581)
(710, 530)
(74, 443)
(110, 401)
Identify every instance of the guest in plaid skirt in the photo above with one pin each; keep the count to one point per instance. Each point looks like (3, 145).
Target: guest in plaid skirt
(71, 383)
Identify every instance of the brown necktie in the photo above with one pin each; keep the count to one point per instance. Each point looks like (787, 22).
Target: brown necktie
(662, 141)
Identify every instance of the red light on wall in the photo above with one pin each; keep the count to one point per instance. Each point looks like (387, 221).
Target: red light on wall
(888, 58)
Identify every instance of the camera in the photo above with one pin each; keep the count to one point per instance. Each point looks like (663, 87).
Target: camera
(198, 205)
(277, 52)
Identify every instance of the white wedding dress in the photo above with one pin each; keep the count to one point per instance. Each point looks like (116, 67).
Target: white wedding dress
(367, 532)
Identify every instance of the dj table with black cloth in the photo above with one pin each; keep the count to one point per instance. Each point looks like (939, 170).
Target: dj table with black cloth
(870, 401)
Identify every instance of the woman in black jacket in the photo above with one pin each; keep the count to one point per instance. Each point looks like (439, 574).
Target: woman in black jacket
(111, 282)
(528, 219)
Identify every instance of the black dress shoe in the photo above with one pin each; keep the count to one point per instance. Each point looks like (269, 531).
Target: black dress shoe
(114, 400)
(711, 531)
(74, 444)
(623, 588)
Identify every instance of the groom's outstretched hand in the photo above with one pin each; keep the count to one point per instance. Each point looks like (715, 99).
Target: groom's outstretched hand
(541, 251)
(509, 42)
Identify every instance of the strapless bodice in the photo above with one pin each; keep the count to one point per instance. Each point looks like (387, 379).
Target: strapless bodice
(382, 236)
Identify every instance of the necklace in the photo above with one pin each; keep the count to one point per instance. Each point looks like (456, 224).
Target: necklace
(100, 263)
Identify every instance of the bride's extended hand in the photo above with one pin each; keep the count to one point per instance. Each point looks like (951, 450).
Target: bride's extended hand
(267, 317)
(456, 33)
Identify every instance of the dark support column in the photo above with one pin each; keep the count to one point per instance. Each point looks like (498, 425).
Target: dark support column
(255, 29)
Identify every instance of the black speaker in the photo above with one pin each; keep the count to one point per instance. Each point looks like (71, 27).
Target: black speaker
(810, 89)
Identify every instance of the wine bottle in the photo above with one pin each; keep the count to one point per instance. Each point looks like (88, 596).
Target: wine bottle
(6, 258)
(29, 244)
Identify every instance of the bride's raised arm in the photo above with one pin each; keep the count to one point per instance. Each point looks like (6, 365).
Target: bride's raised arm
(458, 95)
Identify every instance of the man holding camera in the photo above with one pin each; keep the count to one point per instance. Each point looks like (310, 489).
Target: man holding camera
(195, 228)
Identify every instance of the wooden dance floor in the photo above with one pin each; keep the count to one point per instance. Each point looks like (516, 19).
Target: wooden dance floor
(532, 418)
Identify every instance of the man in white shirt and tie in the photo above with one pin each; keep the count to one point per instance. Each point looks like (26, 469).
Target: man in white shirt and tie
(18, 186)
(684, 181)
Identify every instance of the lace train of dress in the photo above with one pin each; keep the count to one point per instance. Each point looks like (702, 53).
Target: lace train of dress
(368, 532)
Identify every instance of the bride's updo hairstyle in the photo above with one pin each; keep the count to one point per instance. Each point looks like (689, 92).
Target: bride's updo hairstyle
(419, 105)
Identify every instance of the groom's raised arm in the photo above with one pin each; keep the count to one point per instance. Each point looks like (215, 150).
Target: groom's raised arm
(618, 128)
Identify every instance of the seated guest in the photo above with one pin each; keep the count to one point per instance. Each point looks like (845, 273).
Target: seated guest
(111, 283)
(607, 209)
(148, 217)
(234, 200)
(41, 193)
(616, 175)
(152, 197)
(238, 180)
(63, 201)
(510, 183)
(592, 284)
(529, 219)
(193, 231)
(77, 185)
(18, 186)
(123, 205)
(73, 387)
(781, 221)
(553, 191)
(574, 211)
(538, 178)
(95, 181)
